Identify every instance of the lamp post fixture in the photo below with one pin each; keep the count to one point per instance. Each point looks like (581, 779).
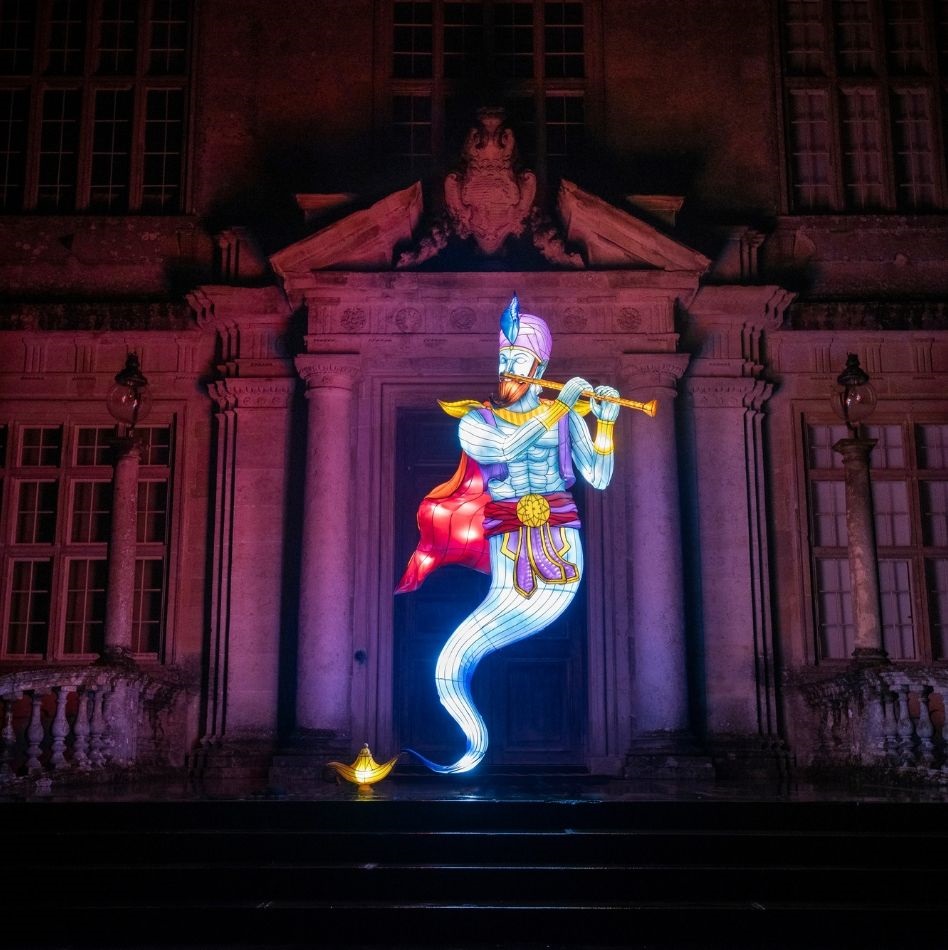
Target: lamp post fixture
(128, 401)
(853, 402)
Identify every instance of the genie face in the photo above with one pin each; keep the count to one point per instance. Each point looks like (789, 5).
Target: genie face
(515, 359)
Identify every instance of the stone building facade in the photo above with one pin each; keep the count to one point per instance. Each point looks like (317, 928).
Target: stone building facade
(306, 226)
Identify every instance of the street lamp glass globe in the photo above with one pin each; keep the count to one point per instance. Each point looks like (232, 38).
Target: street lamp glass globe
(129, 399)
(128, 404)
(854, 399)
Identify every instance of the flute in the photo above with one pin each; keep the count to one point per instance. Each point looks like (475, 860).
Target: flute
(649, 408)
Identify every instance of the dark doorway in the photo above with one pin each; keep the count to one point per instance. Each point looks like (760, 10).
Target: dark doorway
(531, 694)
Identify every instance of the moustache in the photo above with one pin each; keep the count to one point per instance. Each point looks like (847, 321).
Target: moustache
(509, 391)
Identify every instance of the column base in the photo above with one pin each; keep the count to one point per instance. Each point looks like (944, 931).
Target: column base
(117, 656)
(749, 757)
(303, 758)
(667, 755)
(221, 765)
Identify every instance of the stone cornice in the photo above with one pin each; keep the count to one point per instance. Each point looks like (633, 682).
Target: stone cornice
(216, 305)
(107, 316)
(722, 393)
(272, 393)
(328, 371)
(251, 322)
(863, 315)
(760, 305)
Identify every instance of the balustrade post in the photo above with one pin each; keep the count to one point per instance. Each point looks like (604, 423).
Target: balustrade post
(925, 730)
(9, 739)
(80, 730)
(891, 724)
(59, 729)
(906, 727)
(876, 729)
(114, 748)
(35, 733)
(944, 733)
(97, 729)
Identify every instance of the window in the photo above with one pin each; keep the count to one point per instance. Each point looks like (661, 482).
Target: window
(909, 466)
(866, 94)
(93, 98)
(56, 503)
(449, 57)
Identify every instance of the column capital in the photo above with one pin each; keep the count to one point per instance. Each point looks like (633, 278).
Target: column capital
(262, 393)
(855, 451)
(655, 372)
(329, 371)
(717, 392)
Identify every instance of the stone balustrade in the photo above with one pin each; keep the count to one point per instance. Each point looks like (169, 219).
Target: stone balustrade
(887, 719)
(88, 721)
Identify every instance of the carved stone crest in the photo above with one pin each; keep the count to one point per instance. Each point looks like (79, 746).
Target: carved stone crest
(487, 199)
(490, 200)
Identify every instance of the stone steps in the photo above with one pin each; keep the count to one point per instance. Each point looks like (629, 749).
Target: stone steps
(473, 873)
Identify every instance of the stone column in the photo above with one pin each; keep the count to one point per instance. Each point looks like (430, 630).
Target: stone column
(660, 704)
(324, 652)
(122, 544)
(863, 566)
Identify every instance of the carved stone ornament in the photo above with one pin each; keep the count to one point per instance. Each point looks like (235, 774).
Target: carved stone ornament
(408, 320)
(462, 318)
(265, 393)
(487, 199)
(629, 319)
(354, 319)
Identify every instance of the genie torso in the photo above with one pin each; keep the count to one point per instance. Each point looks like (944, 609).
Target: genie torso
(514, 472)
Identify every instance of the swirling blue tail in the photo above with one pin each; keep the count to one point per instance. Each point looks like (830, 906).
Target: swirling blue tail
(502, 619)
(467, 762)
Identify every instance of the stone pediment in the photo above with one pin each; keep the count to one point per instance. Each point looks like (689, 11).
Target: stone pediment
(616, 239)
(590, 233)
(363, 240)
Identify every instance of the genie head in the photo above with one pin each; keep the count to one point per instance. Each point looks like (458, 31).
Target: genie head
(525, 331)
(525, 346)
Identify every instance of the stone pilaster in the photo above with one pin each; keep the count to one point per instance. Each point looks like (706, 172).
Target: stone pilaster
(324, 651)
(863, 564)
(253, 441)
(122, 545)
(730, 609)
(730, 528)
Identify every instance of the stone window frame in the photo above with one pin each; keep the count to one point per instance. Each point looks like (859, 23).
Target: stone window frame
(134, 165)
(158, 466)
(917, 556)
(525, 99)
(857, 162)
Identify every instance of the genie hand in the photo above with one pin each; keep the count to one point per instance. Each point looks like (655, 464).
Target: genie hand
(605, 411)
(572, 390)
